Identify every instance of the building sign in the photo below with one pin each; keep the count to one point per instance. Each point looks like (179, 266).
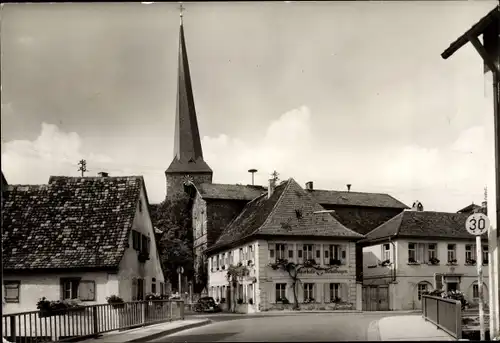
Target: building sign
(332, 270)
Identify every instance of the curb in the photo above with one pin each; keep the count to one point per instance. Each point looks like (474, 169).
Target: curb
(171, 331)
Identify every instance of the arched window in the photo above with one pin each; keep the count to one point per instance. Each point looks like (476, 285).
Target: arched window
(422, 288)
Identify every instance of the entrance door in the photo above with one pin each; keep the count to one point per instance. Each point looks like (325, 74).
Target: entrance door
(376, 298)
(383, 298)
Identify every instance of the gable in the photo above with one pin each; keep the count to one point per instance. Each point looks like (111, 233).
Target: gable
(288, 212)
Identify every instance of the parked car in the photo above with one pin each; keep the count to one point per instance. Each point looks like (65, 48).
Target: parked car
(206, 304)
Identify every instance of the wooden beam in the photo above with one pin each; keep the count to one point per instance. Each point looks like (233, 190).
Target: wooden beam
(484, 54)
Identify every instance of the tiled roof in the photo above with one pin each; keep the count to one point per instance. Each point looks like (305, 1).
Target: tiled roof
(73, 222)
(277, 216)
(230, 192)
(327, 197)
(324, 197)
(423, 224)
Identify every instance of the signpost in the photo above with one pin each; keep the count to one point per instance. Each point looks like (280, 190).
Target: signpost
(477, 224)
(180, 271)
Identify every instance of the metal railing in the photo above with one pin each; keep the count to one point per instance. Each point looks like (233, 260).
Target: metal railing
(87, 321)
(446, 314)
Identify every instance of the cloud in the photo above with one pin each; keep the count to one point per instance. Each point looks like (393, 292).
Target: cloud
(53, 152)
(444, 179)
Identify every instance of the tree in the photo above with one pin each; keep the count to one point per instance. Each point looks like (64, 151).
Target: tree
(175, 242)
(234, 275)
(294, 269)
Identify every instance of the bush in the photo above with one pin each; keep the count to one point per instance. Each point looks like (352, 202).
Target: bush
(115, 301)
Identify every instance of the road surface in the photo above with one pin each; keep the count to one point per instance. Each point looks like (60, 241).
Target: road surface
(296, 327)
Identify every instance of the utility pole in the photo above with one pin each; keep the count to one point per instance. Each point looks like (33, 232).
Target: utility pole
(83, 166)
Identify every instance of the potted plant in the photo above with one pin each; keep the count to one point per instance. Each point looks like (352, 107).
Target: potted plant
(240, 301)
(385, 263)
(411, 260)
(115, 301)
(470, 261)
(223, 267)
(240, 264)
(250, 301)
(453, 261)
(249, 262)
(223, 300)
(335, 262)
(434, 261)
(50, 308)
(284, 300)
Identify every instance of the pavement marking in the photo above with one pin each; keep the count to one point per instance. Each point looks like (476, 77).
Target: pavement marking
(373, 332)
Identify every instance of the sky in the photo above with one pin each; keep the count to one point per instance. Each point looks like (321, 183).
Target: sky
(335, 93)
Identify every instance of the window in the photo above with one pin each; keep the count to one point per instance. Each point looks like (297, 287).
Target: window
(308, 292)
(318, 254)
(475, 291)
(290, 254)
(250, 251)
(485, 254)
(308, 252)
(280, 292)
(422, 288)
(271, 251)
(223, 259)
(140, 205)
(335, 294)
(412, 252)
(12, 290)
(452, 255)
(136, 243)
(386, 252)
(153, 286)
(140, 242)
(335, 252)
(431, 251)
(241, 254)
(230, 258)
(162, 288)
(280, 251)
(470, 253)
(69, 288)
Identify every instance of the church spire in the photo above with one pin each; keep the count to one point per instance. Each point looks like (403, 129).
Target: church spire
(188, 154)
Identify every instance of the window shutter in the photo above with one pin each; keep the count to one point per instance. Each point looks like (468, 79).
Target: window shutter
(86, 290)
(344, 291)
(326, 292)
(343, 254)
(134, 289)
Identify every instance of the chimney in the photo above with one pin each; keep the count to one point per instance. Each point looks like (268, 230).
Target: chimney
(349, 187)
(309, 186)
(103, 174)
(270, 190)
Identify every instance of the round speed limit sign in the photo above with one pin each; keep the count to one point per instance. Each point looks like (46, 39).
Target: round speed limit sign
(477, 224)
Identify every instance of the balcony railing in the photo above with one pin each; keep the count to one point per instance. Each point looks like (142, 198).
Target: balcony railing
(87, 321)
(446, 314)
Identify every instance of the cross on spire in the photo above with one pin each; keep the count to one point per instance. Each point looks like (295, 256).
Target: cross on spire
(181, 9)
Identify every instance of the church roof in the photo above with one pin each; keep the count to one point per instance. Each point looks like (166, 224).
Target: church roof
(469, 209)
(288, 212)
(188, 154)
(324, 197)
(72, 222)
(343, 198)
(422, 224)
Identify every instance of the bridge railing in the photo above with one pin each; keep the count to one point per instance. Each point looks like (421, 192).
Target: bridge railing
(446, 314)
(87, 321)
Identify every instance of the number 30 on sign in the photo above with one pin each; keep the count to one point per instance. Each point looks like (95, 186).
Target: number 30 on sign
(477, 224)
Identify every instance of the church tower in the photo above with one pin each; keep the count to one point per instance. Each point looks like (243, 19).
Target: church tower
(188, 162)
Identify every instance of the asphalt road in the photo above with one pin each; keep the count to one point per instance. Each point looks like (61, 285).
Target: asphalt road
(299, 327)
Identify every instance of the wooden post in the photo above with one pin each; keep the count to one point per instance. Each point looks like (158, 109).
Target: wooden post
(479, 252)
(13, 329)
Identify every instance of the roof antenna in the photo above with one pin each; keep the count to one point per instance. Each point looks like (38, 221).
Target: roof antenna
(349, 187)
(252, 171)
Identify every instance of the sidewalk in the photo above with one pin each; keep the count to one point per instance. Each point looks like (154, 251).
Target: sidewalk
(406, 328)
(150, 332)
